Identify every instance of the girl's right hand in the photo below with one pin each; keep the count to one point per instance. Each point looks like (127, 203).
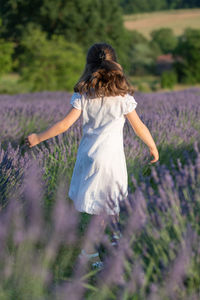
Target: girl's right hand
(154, 152)
(32, 140)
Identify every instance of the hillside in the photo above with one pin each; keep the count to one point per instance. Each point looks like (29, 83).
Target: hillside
(178, 20)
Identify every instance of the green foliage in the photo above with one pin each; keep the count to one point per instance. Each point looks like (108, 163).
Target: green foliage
(49, 64)
(144, 87)
(189, 49)
(183, 3)
(109, 28)
(146, 83)
(82, 22)
(130, 39)
(136, 37)
(142, 59)
(168, 79)
(136, 6)
(155, 48)
(165, 39)
(140, 53)
(6, 51)
(9, 84)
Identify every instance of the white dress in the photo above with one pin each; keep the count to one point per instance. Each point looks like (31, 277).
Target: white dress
(100, 171)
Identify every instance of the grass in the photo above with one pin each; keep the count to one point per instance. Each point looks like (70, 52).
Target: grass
(177, 20)
(9, 84)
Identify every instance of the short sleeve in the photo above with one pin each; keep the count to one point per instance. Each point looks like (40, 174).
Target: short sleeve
(76, 101)
(129, 104)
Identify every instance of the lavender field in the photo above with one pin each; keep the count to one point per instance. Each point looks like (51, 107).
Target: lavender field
(41, 233)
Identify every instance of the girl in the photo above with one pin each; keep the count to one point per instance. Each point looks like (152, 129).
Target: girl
(105, 98)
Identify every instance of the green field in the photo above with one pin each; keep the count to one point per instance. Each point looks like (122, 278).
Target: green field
(177, 20)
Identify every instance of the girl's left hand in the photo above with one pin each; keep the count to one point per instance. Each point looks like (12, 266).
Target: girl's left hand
(32, 140)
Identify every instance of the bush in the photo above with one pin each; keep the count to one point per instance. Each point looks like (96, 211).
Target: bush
(142, 59)
(165, 39)
(168, 79)
(144, 87)
(125, 53)
(51, 65)
(188, 69)
(6, 51)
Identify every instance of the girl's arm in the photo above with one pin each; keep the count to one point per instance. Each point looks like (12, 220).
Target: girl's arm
(56, 129)
(143, 132)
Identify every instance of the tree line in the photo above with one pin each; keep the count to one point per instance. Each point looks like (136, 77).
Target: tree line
(137, 6)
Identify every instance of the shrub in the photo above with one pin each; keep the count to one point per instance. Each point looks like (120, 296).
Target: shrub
(165, 39)
(188, 49)
(142, 59)
(168, 79)
(6, 51)
(144, 87)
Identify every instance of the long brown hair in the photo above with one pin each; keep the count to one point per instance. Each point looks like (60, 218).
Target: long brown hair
(103, 76)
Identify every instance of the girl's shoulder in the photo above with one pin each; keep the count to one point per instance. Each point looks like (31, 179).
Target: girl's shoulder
(129, 103)
(76, 100)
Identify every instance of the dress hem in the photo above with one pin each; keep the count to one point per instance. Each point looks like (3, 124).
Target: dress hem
(89, 211)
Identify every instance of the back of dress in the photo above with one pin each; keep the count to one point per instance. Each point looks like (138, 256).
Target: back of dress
(100, 172)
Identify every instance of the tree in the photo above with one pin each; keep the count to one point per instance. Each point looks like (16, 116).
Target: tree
(135, 37)
(6, 51)
(131, 39)
(80, 21)
(141, 53)
(182, 3)
(189, 49)
(165, 39)
(137, 6)
(53, 64)
(142, 59)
